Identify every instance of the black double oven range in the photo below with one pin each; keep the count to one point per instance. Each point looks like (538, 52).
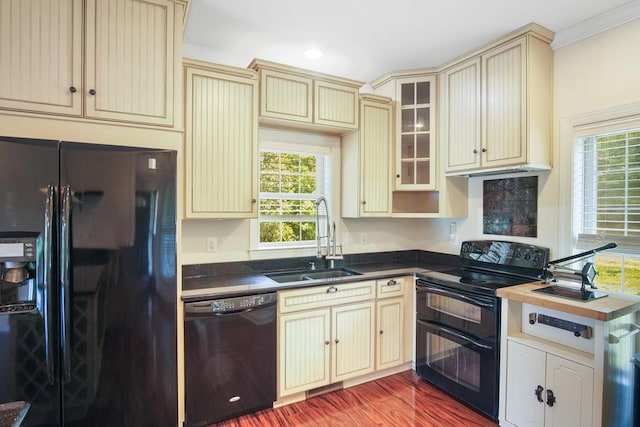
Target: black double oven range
(458, 318)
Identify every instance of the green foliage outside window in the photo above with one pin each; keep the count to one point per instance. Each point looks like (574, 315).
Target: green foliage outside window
(288, 189)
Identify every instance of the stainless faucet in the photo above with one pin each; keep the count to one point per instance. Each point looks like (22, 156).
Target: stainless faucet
(331, 251)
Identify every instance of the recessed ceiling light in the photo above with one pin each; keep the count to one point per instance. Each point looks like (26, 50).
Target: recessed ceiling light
(313, 53)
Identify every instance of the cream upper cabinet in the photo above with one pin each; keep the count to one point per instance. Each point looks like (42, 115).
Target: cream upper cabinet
(415, 157)
(286, 96)
(98, 59)
(461, 106)
(498, 107)
(34, 78)
(130, 60)
(221, 137)
(366, 161)
(306, 99)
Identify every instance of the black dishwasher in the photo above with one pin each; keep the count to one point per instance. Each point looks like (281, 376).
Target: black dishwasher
(230, 357)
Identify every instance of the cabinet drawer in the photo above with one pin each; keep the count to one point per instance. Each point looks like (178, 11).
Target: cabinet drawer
(392, 287)
(325, 295)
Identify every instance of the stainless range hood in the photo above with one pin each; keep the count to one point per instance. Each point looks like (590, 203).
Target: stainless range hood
(502, 170)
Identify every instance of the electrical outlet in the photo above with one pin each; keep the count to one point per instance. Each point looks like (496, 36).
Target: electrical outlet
(345, 238)
(363, 238)
(212, 244)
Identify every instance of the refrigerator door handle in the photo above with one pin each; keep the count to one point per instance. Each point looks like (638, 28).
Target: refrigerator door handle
(46, 283)
(65, 225)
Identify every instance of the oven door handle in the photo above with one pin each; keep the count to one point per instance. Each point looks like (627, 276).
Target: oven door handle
(462, 337)
(457, 296)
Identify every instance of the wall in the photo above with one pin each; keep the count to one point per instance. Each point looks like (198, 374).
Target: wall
(593, 74)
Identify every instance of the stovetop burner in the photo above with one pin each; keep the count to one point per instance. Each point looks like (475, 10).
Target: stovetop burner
(488, 265)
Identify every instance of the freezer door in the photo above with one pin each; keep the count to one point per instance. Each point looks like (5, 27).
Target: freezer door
(28, 341)
(118, 285)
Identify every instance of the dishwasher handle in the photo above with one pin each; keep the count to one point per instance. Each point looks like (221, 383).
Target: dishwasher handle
(228, 306)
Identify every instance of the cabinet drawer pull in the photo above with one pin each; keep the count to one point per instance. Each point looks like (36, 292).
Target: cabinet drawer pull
(392, 282)
(332, 290)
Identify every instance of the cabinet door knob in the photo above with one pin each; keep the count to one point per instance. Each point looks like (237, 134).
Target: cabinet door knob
(92, 91)
(364, 202)
(551, 399)
(484, 150)
(381, 332)
(538, 393)
(475, 151)
(327, 342)
(397, 175)
(337, 340)
(73, 89)
(254, 201)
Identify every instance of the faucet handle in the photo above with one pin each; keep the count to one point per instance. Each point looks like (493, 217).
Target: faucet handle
(312, 265)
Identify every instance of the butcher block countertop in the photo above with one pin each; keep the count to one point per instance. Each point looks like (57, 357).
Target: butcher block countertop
(610, 307)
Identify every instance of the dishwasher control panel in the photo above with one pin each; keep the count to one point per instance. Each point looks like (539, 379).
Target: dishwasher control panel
(227, 305)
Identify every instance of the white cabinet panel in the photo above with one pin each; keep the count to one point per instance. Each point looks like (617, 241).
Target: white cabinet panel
(221, 141)
(129, 60)
(390, 330)
(461, 105)
(41, 51)
(366, 161)
(304, 351)
(352, 334)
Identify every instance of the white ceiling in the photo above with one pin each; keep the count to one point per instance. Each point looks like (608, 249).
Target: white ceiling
(365, 39)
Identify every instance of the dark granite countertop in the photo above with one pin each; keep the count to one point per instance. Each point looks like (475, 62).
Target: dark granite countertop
(204, 281)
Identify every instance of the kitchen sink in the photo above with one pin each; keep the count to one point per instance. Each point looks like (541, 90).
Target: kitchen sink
(302, 275)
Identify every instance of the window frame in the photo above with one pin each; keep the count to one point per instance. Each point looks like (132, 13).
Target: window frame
(601, 121)
(301, 142)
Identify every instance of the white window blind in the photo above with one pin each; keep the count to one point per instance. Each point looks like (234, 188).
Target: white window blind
(607, 185)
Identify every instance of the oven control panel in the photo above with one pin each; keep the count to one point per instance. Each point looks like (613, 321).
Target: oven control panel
(513, 254)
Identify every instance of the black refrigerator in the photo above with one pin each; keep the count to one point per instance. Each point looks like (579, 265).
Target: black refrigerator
(88, 283)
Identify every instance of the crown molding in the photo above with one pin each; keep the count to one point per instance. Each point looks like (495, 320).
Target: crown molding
(615, 17)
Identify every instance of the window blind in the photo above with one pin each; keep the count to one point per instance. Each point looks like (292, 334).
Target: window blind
(607, 185)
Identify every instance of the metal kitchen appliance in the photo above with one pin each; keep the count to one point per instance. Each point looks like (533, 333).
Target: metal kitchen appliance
(458, 318)
(558, 268)
(88, 300)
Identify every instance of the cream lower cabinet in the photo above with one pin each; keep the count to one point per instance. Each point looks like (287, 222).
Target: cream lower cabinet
(97, 59)
(547, 390)
(326, 335)
(221, 137)
(390, 323)
(366, 161)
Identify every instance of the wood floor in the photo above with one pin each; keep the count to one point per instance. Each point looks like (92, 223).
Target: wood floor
(397, 400)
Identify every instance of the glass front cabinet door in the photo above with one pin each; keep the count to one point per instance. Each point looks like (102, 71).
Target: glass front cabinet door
(415, 156)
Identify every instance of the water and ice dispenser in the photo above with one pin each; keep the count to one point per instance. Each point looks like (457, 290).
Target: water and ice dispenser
(19, 254)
